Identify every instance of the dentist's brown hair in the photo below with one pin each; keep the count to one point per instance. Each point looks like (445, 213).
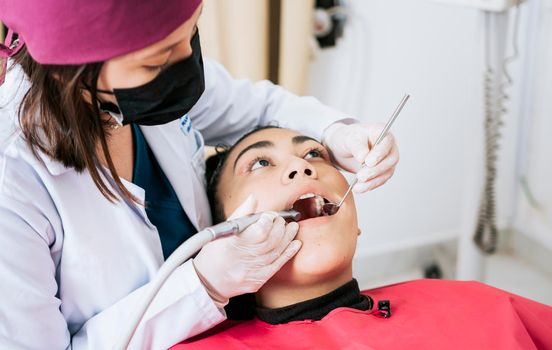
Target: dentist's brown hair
(57, 119)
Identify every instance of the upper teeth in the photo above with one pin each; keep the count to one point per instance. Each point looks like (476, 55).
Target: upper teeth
(310, 205)
(318, 199)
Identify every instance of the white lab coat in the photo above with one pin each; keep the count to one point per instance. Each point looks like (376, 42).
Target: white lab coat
(73, 264)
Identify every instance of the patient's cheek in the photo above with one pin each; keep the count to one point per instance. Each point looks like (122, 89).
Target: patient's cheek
(318, 260)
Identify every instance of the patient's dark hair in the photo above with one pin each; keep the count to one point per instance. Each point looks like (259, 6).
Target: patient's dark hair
(213, 168)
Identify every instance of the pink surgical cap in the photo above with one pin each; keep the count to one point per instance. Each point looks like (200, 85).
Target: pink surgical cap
(83, 31)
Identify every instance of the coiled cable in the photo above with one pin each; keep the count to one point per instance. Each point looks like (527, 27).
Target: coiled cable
(486, 233)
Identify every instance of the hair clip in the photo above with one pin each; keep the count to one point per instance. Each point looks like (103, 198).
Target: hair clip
(8, 49)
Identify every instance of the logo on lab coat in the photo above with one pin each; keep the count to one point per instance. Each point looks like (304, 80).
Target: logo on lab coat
(186, 124)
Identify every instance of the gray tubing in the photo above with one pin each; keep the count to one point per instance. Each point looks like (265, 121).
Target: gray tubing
(184, 252)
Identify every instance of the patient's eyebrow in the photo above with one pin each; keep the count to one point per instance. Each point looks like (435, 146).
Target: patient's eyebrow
(296, 140)
(259, 144)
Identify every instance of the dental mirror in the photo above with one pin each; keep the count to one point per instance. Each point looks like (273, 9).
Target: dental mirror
(332, 208)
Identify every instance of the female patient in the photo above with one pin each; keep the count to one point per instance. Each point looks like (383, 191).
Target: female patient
(314, 302)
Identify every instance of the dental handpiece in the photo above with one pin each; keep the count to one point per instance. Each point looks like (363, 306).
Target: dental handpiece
(234, 226)
(182, 254)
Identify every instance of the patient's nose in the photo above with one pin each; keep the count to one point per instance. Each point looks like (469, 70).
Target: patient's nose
(298, 169)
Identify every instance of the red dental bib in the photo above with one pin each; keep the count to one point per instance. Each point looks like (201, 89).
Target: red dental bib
(426, 314)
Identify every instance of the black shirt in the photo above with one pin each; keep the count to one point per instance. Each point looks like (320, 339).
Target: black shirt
(348, 295)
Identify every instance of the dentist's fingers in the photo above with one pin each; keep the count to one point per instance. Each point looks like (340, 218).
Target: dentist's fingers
(247, 207)
(273, 238)
(266, 272)
(291, 230)
(259, 232)
(388, 163)
(379, 151)
(374, 183)
(349, 164)
(357, 144)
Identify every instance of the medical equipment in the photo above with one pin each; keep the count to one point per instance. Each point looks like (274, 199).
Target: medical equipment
(332, 208)
(330, 19)
(185, 252)
(486, 233)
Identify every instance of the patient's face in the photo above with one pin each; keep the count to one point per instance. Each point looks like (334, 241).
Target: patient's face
(277, 166)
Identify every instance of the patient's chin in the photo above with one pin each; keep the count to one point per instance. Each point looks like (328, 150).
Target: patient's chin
(315, 264)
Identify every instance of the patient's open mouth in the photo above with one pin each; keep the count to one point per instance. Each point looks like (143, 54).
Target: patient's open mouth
(310, 206)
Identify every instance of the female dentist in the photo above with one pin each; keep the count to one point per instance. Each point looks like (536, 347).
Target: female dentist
(103, 115)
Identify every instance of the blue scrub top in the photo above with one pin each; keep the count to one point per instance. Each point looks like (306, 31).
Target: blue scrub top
(162, 206)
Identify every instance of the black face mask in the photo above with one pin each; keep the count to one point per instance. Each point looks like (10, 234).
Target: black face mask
(166, 98)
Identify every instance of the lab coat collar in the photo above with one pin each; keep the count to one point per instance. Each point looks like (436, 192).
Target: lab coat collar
(16, 145)
(173, 151)
(16, 86)
(54, 167)
(177, 151)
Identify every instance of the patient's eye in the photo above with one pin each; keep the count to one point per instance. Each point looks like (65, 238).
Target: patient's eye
(258, 163)
(314, 153)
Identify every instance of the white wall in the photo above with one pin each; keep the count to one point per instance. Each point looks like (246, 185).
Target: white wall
(534, 217)
(434, 52)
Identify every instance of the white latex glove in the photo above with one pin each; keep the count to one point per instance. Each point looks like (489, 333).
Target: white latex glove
(351, 147)
(242, 263)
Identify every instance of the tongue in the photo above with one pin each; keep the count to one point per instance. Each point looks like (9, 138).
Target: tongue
(309, 207)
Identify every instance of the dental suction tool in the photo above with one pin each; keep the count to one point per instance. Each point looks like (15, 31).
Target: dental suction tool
(183, 253)
(332, 208)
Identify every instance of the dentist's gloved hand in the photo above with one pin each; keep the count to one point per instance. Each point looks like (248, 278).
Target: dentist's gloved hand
(242, 263)
(351, 146)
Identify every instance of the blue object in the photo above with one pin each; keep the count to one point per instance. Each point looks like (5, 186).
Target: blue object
(162, 205)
